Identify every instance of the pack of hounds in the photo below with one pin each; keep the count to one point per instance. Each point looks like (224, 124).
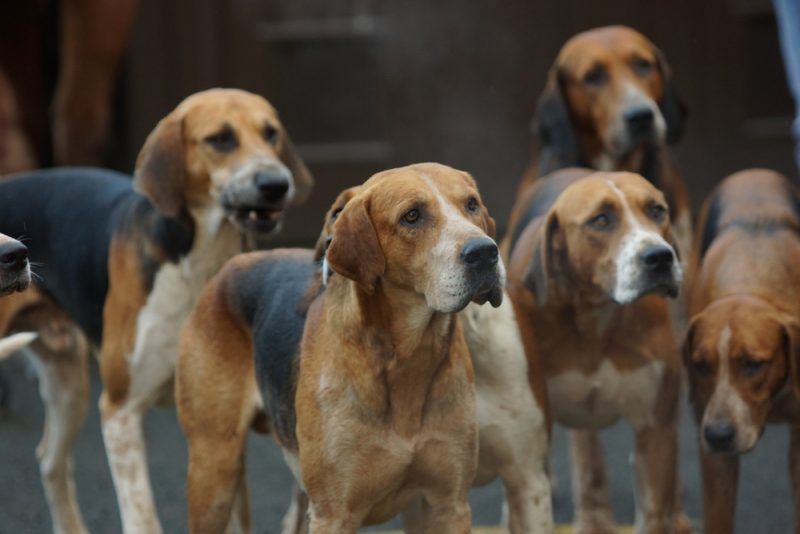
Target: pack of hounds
(409, 356)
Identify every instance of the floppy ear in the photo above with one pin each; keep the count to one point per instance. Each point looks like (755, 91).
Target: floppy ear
(686, 351)
(355, 252)
(544, 264)
(553, 127)
(672, 105)
(160, 167)
(792, 341)
(303, 182)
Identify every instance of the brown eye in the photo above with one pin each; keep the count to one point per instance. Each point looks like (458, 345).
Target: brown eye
(642, 67)
(472, 205)
(411, 217)
(753, 367)
(335, 214)
(271, 134)
(657, 212)
(600, 222)
(597, 76)
(701, 369)
(223, 141)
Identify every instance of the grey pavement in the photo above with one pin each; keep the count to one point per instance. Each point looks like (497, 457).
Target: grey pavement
(764, 495)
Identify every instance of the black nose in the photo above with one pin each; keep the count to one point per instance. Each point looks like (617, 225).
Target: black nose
(719, 436)
(272, 187)
(639, 120)
(479, 253)
(657, 257)
(13, 256)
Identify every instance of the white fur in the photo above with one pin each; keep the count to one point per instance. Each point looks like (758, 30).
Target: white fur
(514, 442)
(446, 280)
(598, 399)
(152, 364)
(628, 286)
(15, 342)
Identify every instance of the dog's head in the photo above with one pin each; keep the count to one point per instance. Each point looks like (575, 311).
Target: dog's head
(15, 271)
(422, 228)
(740, 353)
(223, 151)
(607, 237)
(609, 92)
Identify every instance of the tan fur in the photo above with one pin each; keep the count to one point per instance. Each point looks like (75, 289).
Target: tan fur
(742, 350)
(602, 360)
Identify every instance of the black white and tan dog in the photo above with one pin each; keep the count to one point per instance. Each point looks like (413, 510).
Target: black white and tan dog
(610, 104)
(363, 392)
(125, 260)
(264, 297)
(742, 350)
(591, 262)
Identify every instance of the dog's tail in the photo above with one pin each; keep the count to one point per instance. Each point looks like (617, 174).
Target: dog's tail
(15, 342)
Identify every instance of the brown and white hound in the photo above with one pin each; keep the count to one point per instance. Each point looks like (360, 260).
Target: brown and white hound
(742, 350)
(382, 381)
(589, 270)
(610, 105)
(122, 262)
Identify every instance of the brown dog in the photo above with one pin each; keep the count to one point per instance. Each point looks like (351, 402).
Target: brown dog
(126, 260)
(587, 276)
(384, 380)
(742, 351)
(610, 105)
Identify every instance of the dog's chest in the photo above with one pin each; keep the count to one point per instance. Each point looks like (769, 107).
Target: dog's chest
(596, 399)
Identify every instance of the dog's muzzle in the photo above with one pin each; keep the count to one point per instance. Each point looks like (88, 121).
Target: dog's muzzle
(256, 202)
(720, 437)
(480, 256)
(14, 267)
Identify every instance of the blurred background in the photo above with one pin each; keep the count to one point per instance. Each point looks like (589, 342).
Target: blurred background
(363, 85)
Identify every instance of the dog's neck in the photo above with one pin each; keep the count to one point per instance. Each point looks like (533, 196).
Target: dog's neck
(644, 160)
(407, 346)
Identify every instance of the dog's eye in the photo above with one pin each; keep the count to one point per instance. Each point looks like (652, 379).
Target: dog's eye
(411, 217)
(335, 214)
(597, 76)
(472, 205)
(657, 212)
(600, 222)
(752, 367)
(642, 67)
(223, 141)
(701, 368)
(271, 134)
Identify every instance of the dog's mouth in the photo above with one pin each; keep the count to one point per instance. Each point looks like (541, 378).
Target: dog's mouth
(15, 284)
(256, 219)
(489, 290)
(664, 288)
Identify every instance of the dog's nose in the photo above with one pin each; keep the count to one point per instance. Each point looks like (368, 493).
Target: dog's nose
(479, 253)
(271, 186)
(719, 436)
(639, 120)
(13, 255)
(657, 258)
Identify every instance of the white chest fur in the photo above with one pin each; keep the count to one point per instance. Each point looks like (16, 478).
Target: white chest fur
(174, 293)
(598, 399)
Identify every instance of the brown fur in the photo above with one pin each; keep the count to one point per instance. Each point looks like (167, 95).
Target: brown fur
(742, 350)
(561, 274)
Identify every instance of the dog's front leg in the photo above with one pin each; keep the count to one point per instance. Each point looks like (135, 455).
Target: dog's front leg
(655, 471)
(720, 482)
(446, 514)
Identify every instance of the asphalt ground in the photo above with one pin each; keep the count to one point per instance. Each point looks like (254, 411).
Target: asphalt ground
(764, 504)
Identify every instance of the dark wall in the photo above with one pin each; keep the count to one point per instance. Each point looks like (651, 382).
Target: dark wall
(363, 85)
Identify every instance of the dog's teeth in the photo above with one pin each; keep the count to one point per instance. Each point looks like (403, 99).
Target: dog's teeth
(253, 216)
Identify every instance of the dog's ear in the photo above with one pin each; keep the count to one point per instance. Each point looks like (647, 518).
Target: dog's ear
(686, 351)
(489, 226)
(544, 267)
(672, 105)
(355, 251)
(792, 343)
(331, 216)
(303, 181)
(553, 127)
(161, 167)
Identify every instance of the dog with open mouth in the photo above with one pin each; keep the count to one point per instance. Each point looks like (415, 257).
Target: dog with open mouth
(122, 262)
